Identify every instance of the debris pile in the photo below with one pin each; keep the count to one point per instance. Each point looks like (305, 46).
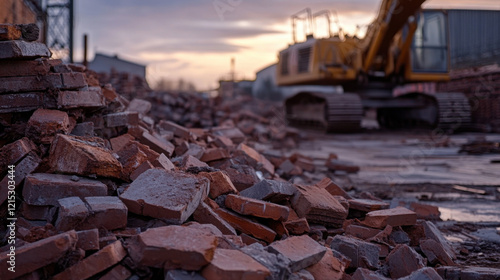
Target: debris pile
(104, 191)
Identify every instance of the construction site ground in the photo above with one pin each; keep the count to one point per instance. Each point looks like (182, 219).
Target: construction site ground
(419, 165)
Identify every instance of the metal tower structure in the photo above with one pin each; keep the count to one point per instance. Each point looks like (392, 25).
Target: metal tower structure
(60, 27)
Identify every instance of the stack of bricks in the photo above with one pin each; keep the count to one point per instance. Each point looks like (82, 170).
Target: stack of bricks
(105, 192)
(482, 87)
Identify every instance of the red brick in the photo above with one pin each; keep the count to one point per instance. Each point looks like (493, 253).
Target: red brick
(33, 256)
(223, 142)
(302, 251)
(139, 105)
(248, 240)
(270, 190)
(333, 188)
(425, 211)
(305, 163)
(232, 133)
(163, 162)
(257, 208)
(432, 232)
(45, 189)
(95, 263)
(247, 226)
(467, 273)
(215, 154)
(31, 212)
(219, 183)
(143, 167)
(120, 142)
(287, 168)
(88, 240)
(9, 32)
(242, 176)
(25, 68)
(329, 267)
(178, 130)
(318, 206)
(266, 164)
(398, 216)
(83, 156)
(23, 50)
(72, 213)
(91, 98)
(206, 215)
(165, 195)
(12, 153)
(85, 129)
(107, 212)
(26, 166)
(156, 144)
(426, 273)
(118, 272)
(297, 226)
(132, 156)
(107, 240)
(403, 260)
(21, 102)
(45, 124)
(190, 161)
(366, 205)
(73, 80)
(366, 274)
(435, 253)
(121, 119)
(234, 265)
(173, 247)
(361, 232)
(30, 32)
(361, 253)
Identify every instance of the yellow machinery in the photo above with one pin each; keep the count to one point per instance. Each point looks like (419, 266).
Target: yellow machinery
(404, 45)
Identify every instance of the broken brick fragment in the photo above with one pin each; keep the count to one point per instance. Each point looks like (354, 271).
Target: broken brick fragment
(174, 247)
(403, 260)
(302, 251)
(398, 216)
(206, 215)
(33, 256)
(45, 124)
(165, 195)
(219, 183)
(270, 190)
(246, 225)
(83, 156)
(362, 254)
(95, 263)
(46, 189)
(318, 206)
(234, 265)
(329, 267)
(257, 208)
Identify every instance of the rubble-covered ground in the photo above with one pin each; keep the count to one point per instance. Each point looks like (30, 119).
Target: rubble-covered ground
(172, 186)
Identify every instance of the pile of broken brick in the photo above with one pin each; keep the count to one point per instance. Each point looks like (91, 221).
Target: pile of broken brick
(148, 200)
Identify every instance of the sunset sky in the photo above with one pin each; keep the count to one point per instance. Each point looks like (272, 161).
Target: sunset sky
(196, 39)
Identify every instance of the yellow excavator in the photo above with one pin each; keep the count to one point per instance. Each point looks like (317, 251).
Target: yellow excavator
(392, 70)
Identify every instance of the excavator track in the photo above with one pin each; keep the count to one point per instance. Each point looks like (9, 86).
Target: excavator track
(454, 111)
(328, 112)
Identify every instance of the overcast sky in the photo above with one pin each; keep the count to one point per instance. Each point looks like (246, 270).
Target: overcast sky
(196, 39)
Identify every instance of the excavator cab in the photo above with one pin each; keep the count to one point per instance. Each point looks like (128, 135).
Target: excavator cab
(429, 50)
(403, 48)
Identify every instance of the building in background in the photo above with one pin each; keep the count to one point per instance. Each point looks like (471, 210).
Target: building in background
(106, 64)
(474, 38)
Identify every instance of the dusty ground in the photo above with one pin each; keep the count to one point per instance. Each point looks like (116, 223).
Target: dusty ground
(422, 166)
